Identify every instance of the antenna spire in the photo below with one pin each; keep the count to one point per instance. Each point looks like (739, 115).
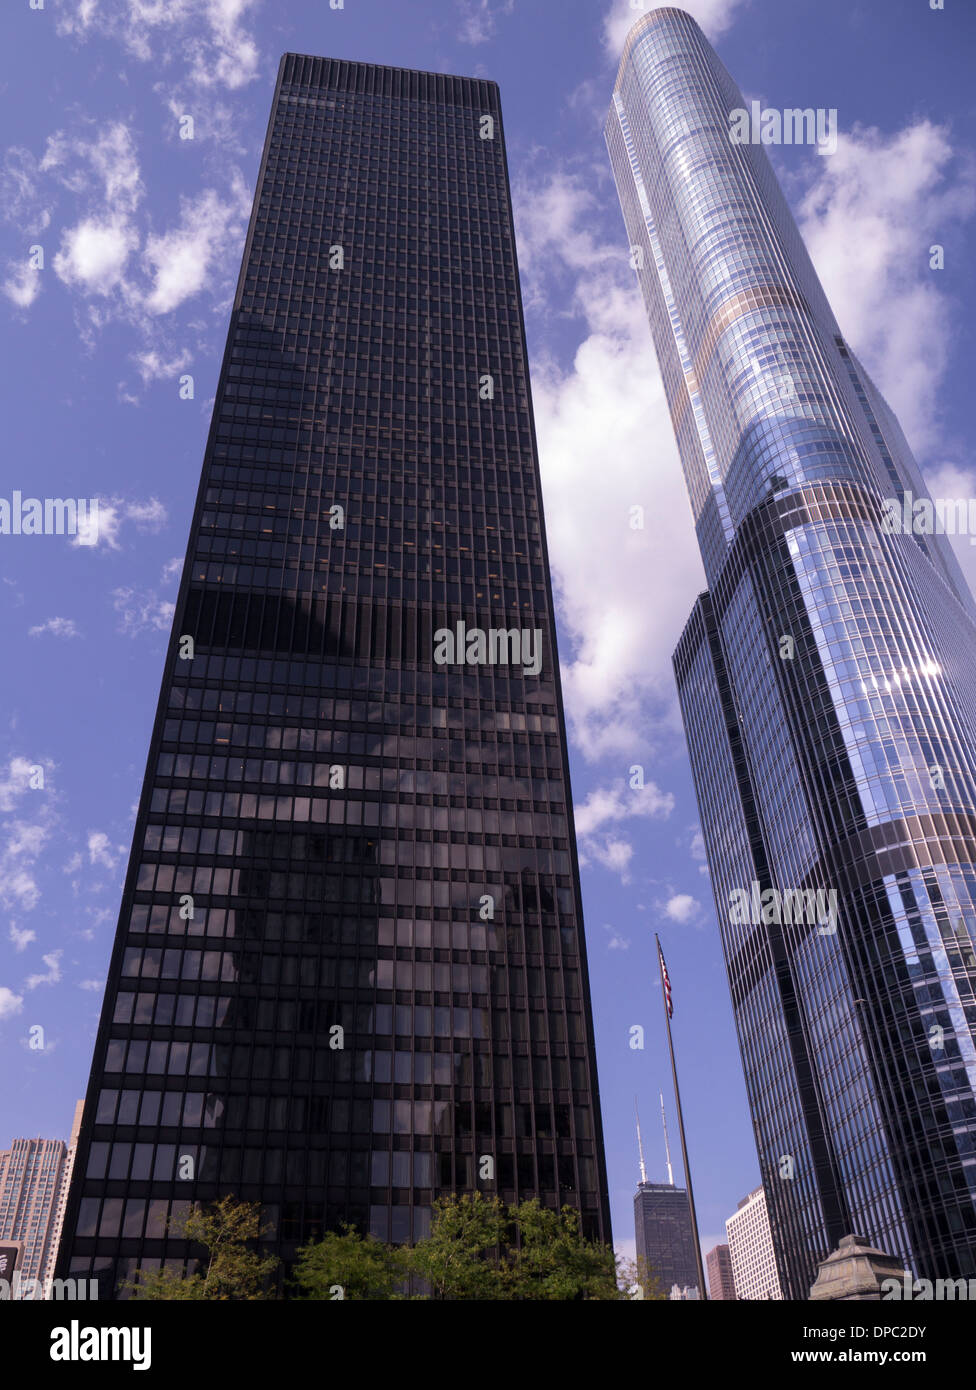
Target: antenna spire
(664, 1121)
(640, 1146)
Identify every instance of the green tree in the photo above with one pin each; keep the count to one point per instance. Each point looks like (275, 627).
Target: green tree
(551, 1259)
(638, 1281)
(232, 1270)
(461, 1258)
(361, 1266)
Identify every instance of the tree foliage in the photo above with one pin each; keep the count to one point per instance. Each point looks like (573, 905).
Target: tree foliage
(478, 1249)
(462, 1259)
(348, 1265)
(231, 1270)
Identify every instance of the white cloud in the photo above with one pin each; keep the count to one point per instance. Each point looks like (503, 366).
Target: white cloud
(606, 447)
(53, 962)
(109, 155)
(23, 284)
(15, 781)
(619, 802)
(142, 611)
(479, 19)
(109, 254)
(57, 627)
(94, 255)
(206, 35)
(104, 170)
(21, 202)
(21, 937)
(20, 847)
(76, 18)
(155, 366)
(682, 907)
(607, 806)
(950, 481)
(102, 851)
(172, 569)
(616, 942)
(228, 56)
(181, 259)
(613, 852)
(112, 514)
(99, 527)
(714, 16)
(10, 1003)
(868, 220)
(91, 984)
(147, 516)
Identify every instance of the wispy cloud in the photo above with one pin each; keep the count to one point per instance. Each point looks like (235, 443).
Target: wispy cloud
(180, 261)
(16, 780)
(10, 1003)
(479, 19)
(142, 611)
(103, 525)
(21, 937)
(617, 513)
(206, 39)
(22, 285)
(57, 627)
(52, 975)
(869, 219)
(102, 851)
(616, 942)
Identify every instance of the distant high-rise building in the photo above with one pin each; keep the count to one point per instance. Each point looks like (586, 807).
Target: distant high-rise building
(65, 1188)
(826, 686)
(721, 1285)
(349, 973)
(665, 1243)
(751, 1253)
(34, 1179)
(663, 1228)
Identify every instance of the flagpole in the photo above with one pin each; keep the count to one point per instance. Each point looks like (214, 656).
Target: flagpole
(702, 1288)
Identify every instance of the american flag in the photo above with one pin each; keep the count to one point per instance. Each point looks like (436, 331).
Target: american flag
(667, 982)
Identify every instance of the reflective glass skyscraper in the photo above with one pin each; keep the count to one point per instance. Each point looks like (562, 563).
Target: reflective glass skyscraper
(349, 974)
(827, 681)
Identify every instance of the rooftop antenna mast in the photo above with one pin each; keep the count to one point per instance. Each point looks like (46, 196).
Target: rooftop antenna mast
(640, 1146)
(667, 1150)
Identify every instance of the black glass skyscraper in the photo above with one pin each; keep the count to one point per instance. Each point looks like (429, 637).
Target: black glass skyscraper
(664, 1237)
(349, 974)
(827, 687)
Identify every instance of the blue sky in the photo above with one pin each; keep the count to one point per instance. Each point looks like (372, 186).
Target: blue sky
(141, 234)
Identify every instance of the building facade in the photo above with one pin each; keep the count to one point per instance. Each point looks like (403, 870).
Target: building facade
(350, 974)
(718, 1267)
(65, 1188)
(825, 681)
(750, 1250)
(664, 1238)
(34, 1180)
